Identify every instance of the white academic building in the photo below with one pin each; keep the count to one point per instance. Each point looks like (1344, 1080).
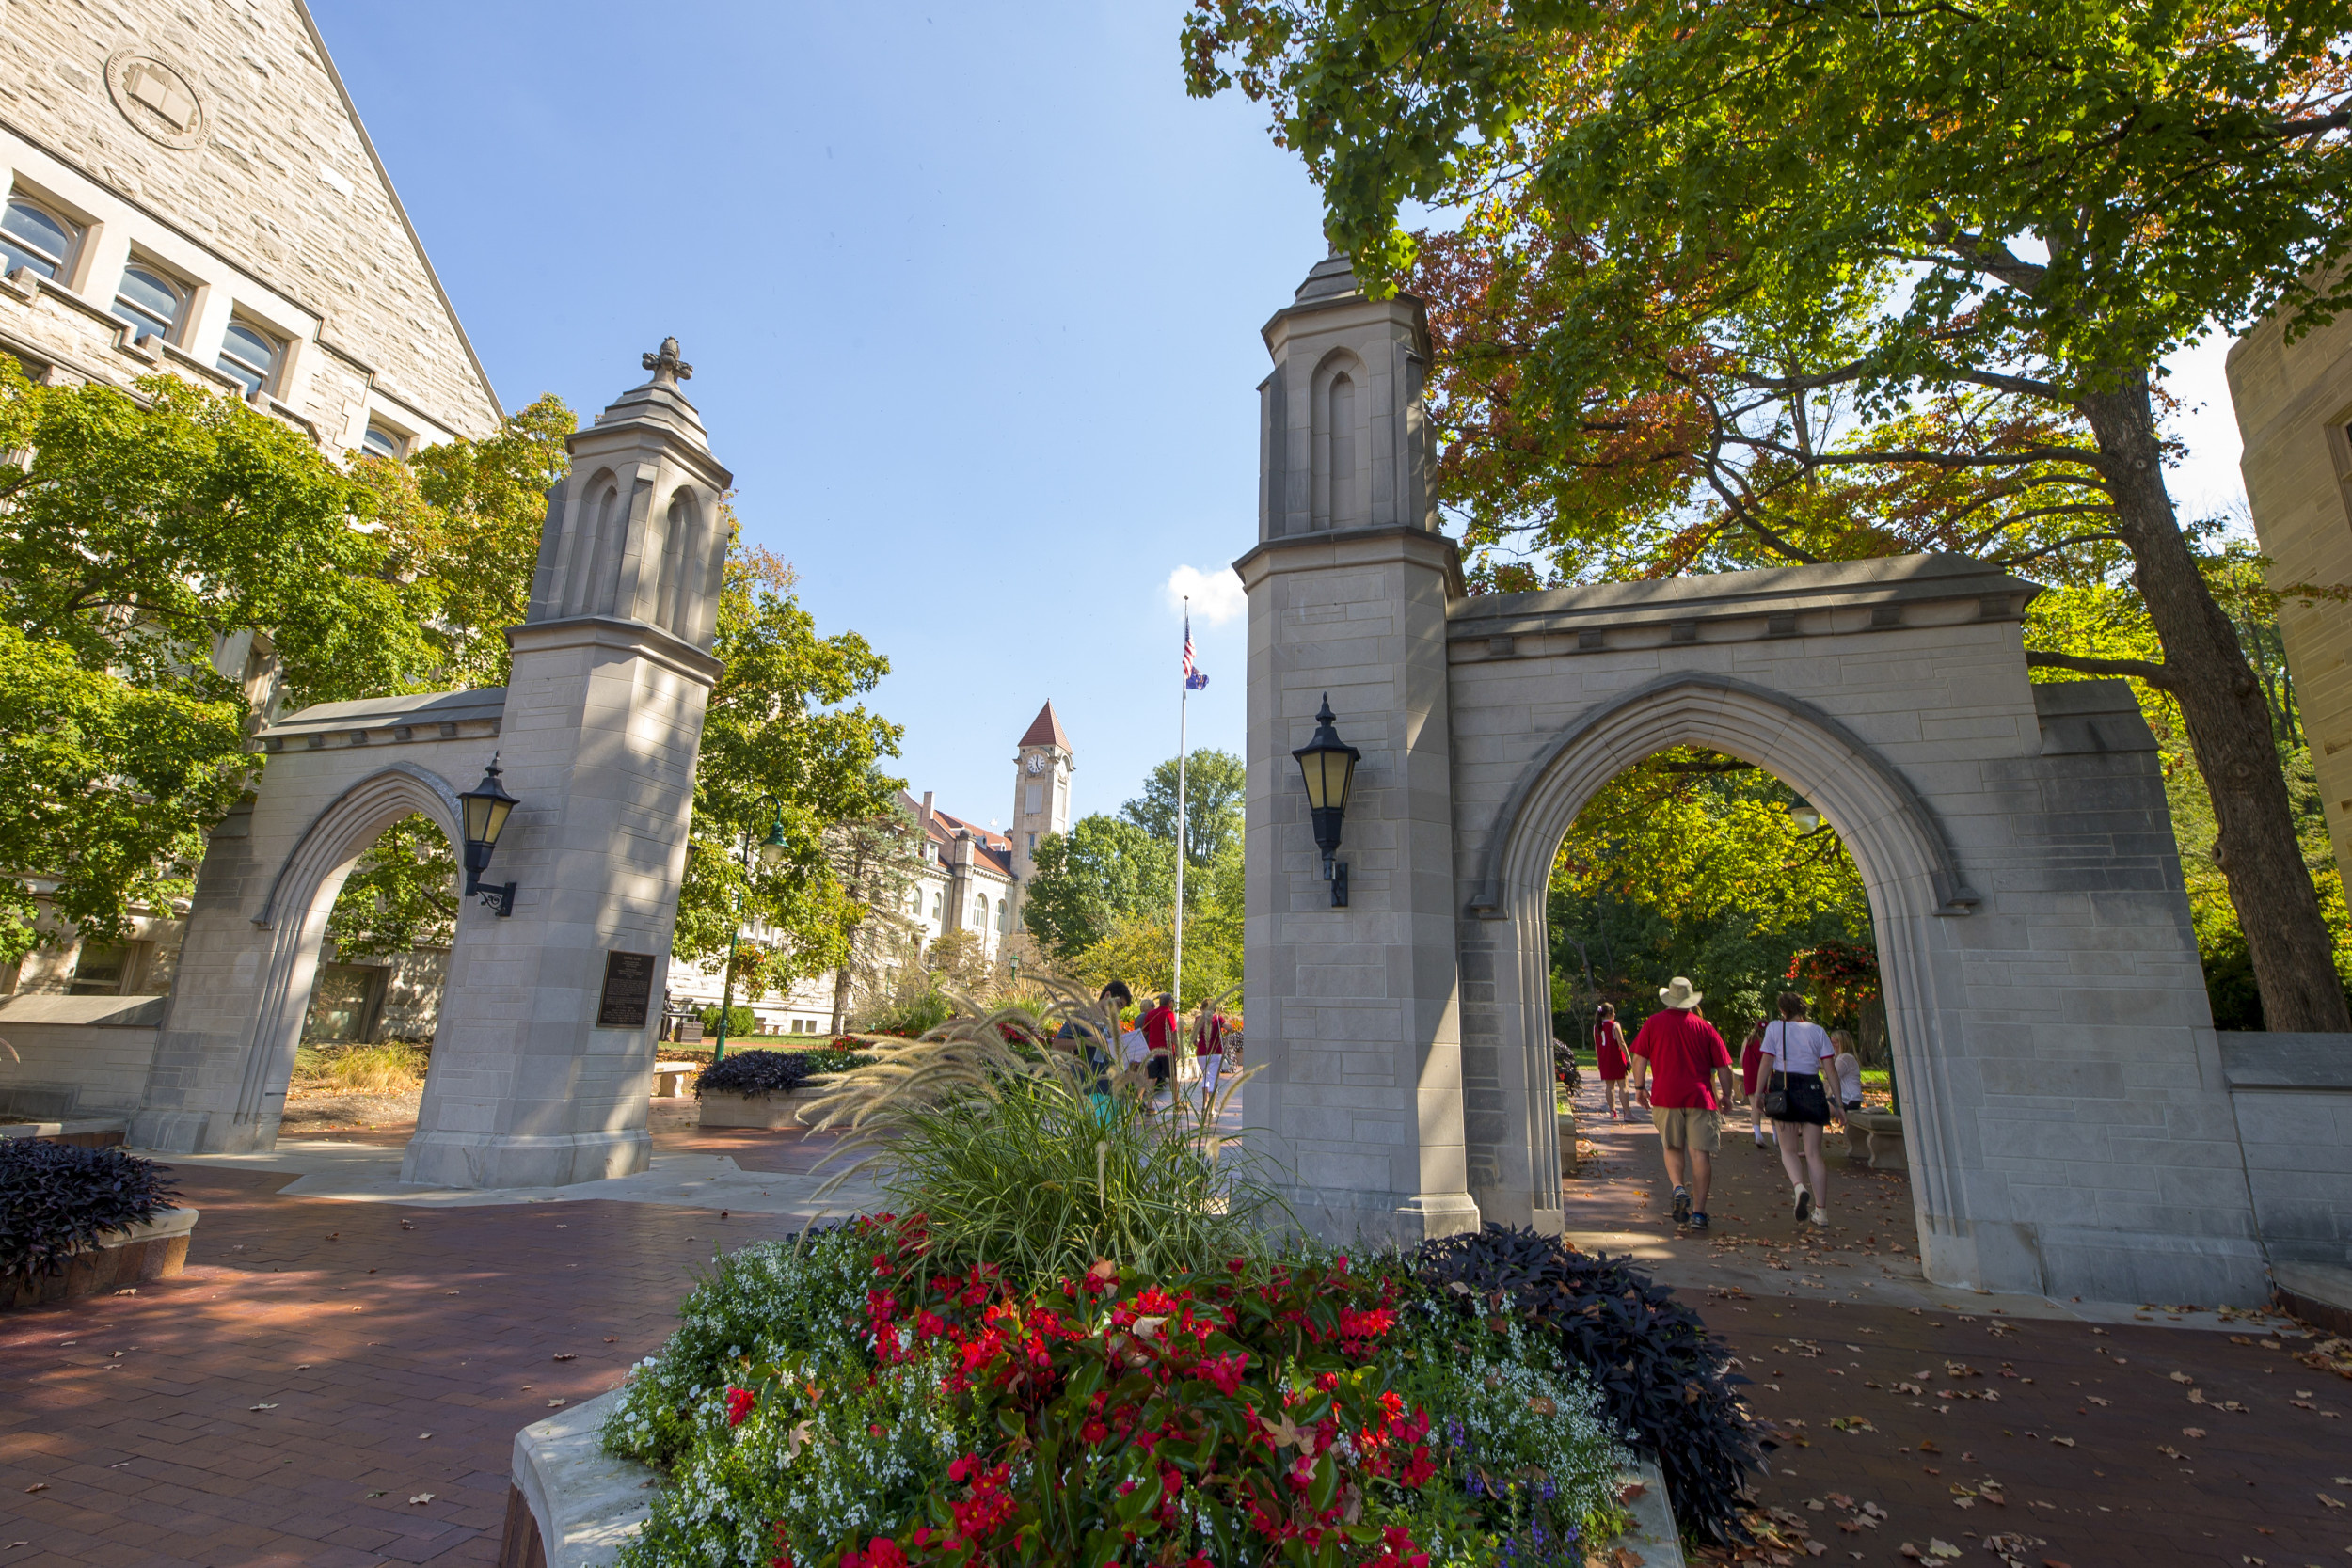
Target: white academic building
(971, 880)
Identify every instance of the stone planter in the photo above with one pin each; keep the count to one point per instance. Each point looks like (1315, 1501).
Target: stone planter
(156, 1250)
(1566, 1123)
(1886, 1133)
(774, 1112)
(572, 1505)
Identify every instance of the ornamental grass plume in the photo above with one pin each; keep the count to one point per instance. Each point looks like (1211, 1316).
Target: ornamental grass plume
(1022, 1142)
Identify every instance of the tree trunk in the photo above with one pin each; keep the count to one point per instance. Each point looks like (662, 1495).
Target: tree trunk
(2229, 730)
(841, 993)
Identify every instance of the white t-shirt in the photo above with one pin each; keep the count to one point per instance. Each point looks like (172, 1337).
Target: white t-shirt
(1801, 1047)
(1849, 1077)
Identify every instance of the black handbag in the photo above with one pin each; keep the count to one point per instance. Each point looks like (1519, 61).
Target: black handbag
(1775, 1102)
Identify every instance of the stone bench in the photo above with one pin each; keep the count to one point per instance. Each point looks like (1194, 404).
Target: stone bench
(1877, 1137)
(671, 1078)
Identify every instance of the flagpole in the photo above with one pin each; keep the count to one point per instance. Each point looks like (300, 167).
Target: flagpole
(1183, 700)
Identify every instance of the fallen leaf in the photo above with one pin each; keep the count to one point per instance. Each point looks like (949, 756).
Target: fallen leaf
(260, 1407)
(1629, 1491)
(378, 1493)
(2180, 1377)
(1284, 1435)
(1542, 1406)
(422, 1435)
(38, 1486)
(2063, 1442)
(2328, 1500)
(2192, 1432)
(552, 1403)
(2169, 1451)
(1942, 1549)
(422, 1498)
(574, 1355)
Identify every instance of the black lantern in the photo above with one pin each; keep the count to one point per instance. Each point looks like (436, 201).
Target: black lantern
(487, 807)
(1327, 764)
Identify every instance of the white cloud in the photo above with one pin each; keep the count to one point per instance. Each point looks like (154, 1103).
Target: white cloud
(1216, 594)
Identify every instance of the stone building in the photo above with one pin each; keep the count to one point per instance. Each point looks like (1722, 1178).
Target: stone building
(971, 880)
(190, 191)
(2294, 405)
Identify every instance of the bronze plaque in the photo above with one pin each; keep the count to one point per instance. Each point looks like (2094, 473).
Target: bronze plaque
(627, 990)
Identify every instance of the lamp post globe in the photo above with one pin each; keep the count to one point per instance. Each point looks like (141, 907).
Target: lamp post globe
(1326, 766)
(774, 851)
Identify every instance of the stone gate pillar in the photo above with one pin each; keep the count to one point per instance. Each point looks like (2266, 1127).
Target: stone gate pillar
(534, 1081)
(1353, 1013)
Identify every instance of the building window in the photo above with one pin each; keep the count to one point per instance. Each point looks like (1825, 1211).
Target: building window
(150, 301)
(1000, 916)
(33, 236)
(99, 970)
(938, 904)
(380, 442)
(1033, 846)
(249, 356)
(979, 912)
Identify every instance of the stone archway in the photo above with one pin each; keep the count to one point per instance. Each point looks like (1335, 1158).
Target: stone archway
(1899, 844)
(2068, 1123)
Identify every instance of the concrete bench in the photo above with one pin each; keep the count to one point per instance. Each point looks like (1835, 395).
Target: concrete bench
(671, 1078)
(1883, 1132)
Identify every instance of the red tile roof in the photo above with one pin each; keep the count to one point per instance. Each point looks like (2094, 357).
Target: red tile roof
(1047, 730)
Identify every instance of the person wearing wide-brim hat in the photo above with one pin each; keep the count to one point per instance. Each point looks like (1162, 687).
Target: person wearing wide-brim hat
(1682, 1051)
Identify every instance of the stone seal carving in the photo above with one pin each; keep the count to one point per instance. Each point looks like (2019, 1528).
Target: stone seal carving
(161, 100)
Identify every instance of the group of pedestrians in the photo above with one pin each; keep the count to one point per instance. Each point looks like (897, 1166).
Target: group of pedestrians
(1148, 1048)
(1794, 1074)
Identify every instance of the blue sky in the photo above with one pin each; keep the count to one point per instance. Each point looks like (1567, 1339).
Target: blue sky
(972, 296)
(972, 293)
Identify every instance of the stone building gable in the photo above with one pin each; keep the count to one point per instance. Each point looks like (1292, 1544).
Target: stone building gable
(278, 178)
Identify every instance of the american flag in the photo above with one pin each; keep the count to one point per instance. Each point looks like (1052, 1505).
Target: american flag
(1194, 679)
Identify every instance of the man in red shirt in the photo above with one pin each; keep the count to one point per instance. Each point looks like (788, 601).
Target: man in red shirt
(1682, 1051)
(1159, 1033)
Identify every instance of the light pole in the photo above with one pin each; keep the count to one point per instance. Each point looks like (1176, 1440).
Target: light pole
(771, 854)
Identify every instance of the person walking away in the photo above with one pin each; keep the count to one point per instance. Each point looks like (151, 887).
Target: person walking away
(1208, 1047)
(1682, 1051)
(1080, 1038)
(1751, 1067)
(1159, 1039)
(1795, 1052)
(1848, 1069)
(1615, 1063)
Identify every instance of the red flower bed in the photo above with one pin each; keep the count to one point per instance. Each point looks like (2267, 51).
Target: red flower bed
(1242, 1413)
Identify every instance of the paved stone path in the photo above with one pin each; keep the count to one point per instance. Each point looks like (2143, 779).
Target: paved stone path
(1965, 1417)
(397, 1348)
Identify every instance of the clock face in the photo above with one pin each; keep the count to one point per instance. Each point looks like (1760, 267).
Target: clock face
(1036, 762)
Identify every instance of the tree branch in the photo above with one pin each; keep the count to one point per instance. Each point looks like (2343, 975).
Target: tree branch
(2136, 669)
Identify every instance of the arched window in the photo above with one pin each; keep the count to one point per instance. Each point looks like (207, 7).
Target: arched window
(150, 301)
(939, 904)
(33, 236)
(1001, 908)
(250, 355)
(380, 442)
(1342, 428)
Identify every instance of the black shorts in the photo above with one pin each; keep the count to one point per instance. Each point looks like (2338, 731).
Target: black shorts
(1808, 1101)
(1156, 1070)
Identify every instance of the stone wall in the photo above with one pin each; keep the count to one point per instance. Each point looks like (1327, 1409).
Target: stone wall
(2294, 405)
(76, 1055)
(2292, 1093)
(273, 204)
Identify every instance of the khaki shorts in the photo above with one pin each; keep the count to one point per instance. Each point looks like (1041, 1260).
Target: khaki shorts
(1689, 1127)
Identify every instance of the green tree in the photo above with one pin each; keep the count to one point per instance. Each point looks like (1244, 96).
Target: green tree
(876, 860)
(783, 747)
(106, 787)
(1103, 870)
(1697, 239)
(1216, 783)
(1688, 864)
(143, 533)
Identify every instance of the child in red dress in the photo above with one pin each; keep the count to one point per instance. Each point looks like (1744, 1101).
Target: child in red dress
(1614, 1062)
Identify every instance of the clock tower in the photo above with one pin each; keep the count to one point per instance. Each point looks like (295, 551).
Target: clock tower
(1040, 790)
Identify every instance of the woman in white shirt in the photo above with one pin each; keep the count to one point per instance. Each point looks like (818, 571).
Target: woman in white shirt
(1795, 1054)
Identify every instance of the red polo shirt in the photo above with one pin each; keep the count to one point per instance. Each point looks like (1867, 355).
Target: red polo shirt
(1683, 1052)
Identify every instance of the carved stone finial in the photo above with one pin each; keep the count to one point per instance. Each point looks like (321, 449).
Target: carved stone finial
(668, 369)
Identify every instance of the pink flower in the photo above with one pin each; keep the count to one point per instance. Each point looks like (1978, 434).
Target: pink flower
(739, 1402)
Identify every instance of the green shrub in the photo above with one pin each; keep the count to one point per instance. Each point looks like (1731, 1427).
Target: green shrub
(913, 1017)
(741, 1022)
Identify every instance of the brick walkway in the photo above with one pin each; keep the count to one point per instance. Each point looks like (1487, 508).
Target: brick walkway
(398, 1350)
(2063, 1432)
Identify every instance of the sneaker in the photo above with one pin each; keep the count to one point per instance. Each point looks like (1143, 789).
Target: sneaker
(1698, 1220)
(1805, 1204)
(1820, 1216)
(1682, 1206)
